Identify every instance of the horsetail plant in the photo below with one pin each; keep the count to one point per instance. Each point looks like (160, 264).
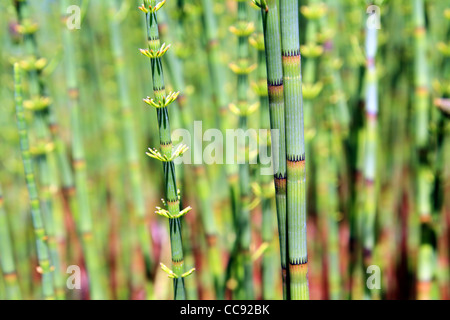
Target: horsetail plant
(7, 263)
(220, 99)
(295, 151)
(426, 257)
(167, 154)
(175, 70)
(39, 103)
(138, 208)
(265, 191)
(45, 267)
(370, 146)
(311, 52)
(93, 260)
(173, 63)
(243, 29)
(272, 45)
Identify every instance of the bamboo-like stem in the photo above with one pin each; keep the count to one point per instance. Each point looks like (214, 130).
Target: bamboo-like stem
(171, 195)
(311, 52)
(426, 258)
(219, 97)
(265, 179)
(328, 24)
(243, 29)
(272, 45)
(45, 267)
(355, 155)
(183, 117)
(201, 180)
(213, 48)
(139, 211)
(370, 146)
(440, 206)
(336, 125)
(334, 276)
(92, 255)
(7, 263)
(295, 151)
(44, 144)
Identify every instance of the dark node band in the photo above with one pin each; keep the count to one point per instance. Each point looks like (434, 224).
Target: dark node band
(153, 38)
(299, 262)
(275, 83)
(159, 88)
(280, 176)
(296, 158)
(291, 53)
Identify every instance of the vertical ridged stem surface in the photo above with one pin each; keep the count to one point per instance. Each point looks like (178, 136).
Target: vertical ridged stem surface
(424, 178)
(171, 196)
(272, 45)
(295, 151)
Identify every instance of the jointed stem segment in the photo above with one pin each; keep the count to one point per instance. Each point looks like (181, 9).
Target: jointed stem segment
(167, 155)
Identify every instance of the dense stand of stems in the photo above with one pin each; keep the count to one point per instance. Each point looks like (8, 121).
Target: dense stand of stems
(84, 215)
(45, 267)
(243, 218)
(46, 173)
(175, 70)
(139, 211)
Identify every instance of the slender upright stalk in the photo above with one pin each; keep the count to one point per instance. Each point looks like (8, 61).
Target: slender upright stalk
(39, 103)
(45, 267)
(311, 53)
(85, 227)
(266, 180)
(370, 146)
(295, 151)
(272, 45)
(7, 263)
(334, 276)
(154, 52)
(242, 68)
(175, 69)
(131, 154)
(213, 48)
(426, 258)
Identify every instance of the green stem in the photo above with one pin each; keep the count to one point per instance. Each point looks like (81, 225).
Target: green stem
(171, 195)
(85, 227)
(7, 263)
(424, 180)
(272, 45)
(45, 266)
(130, 140)
(295, 151)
